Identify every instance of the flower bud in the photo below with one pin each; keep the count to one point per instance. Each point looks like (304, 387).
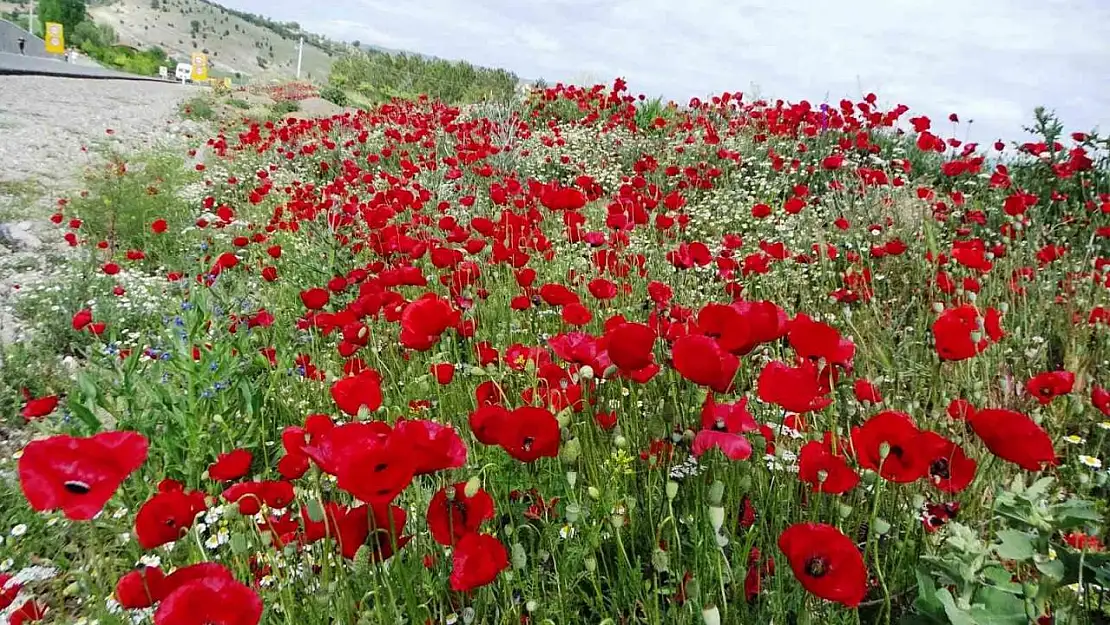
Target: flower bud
(571, 451)
(716, 517)
(572, 478)
(586, 372)
(671, 490)
(621, 442)
(473, 485)
(711, 615)
(594, 493)
(716, 493)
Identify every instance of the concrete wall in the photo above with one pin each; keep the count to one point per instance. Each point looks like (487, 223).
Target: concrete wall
(9, 40)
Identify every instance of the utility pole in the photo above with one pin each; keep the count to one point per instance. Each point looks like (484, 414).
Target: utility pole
(31, 18)
(300, 54)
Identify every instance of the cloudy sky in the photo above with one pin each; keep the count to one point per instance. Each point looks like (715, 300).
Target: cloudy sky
(991, 61)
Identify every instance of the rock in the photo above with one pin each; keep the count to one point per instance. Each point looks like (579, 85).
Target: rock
(20, 236)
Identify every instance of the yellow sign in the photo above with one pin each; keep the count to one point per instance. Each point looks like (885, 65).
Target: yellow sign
(200, 67)
(55, 38)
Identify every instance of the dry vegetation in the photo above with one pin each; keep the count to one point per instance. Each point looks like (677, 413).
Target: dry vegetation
(234, 45)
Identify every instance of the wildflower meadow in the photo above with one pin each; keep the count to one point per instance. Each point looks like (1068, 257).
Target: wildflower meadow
(582, 357)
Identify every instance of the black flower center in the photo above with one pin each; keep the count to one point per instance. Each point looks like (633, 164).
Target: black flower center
(940, 468)
(77, 487)
(528, 442)
(896, 451)
(817, 566)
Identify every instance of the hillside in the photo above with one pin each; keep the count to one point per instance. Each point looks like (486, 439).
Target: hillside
(236, 43)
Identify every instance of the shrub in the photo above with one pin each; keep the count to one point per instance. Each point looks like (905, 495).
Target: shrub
(335, 95)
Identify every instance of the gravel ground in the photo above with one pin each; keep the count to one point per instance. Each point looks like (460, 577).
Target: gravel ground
(51, 130)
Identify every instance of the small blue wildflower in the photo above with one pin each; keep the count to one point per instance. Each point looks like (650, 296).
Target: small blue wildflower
(206, 394)
(186, 305)
(214, 366)
(166, 356)
(221, 386)
(204, 246)
(179, 322)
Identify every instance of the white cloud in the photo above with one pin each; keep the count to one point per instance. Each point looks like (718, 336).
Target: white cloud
(991, 60)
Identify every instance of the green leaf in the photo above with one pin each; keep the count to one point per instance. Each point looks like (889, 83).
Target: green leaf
(998, 608)
(1015, 545)
(926, 588)
(1074, 512)
(315, 511)
(1001, 579)
(1071, 559)
(1054, 569)
(954, 613)
(86, 417)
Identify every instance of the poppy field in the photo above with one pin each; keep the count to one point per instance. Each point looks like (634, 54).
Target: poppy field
(584, 358)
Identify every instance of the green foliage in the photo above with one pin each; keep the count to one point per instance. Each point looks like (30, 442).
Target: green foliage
(199, 109)
(971, 581)
(68, 13)
(121, 207)
(335, 95)
(93, 34)
(381, 76)
(285, 107)
(143, 62)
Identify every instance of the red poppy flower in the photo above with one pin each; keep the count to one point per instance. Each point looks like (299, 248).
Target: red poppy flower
(315, 298)
(793, 388)
(487, 423)
(8, 590)
(826, 562)
(211, 599)
(1014, 437)
(825, 471)
(865, 391)
(443, 372)
(81, 319)
(630, 346)
(166, 515)
(894, 434)
(530, 433)
(476, 561)
(376, 470)
(355, 392)
(452, 515)
(30, 611)
(1049, 385)
(158, 226)
(140, 588)
(734, 446)
(424, 320)
(1100, 399)
(433, 447)
(953, 333)
(377, 526)
(701, 360)
(950, 470)
(230, 466)
(39, 407)
(733, 418)
(327, 441)
(815, 340)
(79, 475)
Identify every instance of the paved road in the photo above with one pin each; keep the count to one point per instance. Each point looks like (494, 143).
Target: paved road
(16, 64)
